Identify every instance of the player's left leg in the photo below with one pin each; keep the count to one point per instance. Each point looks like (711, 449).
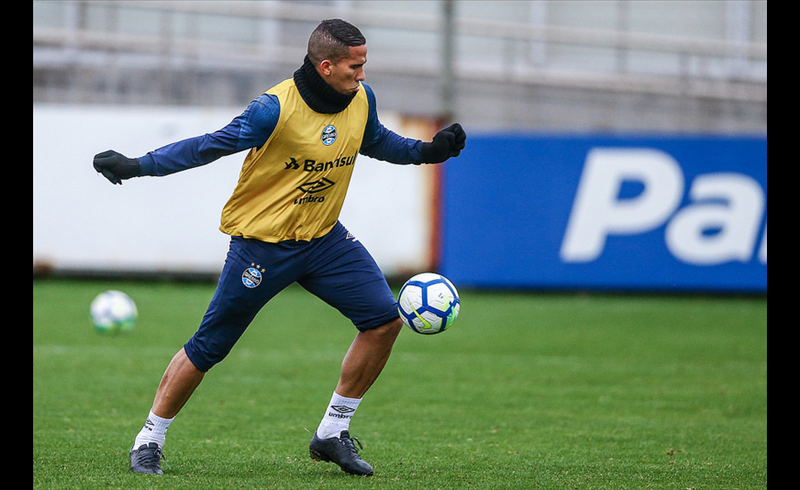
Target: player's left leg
(254, 272)
(180, 380)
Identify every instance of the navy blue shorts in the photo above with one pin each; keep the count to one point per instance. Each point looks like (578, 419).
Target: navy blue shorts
(336, 268)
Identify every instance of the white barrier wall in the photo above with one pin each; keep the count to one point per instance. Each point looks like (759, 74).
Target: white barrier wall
(81, 221)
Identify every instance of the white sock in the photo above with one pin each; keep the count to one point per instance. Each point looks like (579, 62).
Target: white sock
(337, 416)
(154, 430)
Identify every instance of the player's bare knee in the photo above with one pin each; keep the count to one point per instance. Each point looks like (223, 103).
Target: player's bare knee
(393, 327)
(386, 332)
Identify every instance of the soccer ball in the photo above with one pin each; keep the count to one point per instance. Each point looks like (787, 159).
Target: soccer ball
(428, 303)
(113, 311)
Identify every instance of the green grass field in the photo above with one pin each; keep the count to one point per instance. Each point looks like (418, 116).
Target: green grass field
(525, 391)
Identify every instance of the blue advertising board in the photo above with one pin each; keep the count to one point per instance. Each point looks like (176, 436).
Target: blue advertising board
(667, 213)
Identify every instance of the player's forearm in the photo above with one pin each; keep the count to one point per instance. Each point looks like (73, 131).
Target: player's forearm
(249, 130)
(394, 148)
(183, 155)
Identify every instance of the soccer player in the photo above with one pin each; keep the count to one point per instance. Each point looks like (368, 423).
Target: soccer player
(303, 137)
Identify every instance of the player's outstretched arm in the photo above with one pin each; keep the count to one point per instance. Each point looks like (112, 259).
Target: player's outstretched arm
(250, 129)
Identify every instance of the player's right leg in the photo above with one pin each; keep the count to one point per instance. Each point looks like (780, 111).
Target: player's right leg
(361, 366)
(343, 274)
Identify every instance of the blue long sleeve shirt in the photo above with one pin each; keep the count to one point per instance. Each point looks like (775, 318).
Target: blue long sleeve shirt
(252, 129)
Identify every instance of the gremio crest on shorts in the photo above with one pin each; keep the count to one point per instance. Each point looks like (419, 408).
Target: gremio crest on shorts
(328, 135)
(251, 277)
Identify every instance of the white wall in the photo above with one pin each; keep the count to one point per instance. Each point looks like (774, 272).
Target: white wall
(81, 221)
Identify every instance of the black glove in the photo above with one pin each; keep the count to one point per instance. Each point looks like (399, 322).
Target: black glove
(447, 143)
(116, 167)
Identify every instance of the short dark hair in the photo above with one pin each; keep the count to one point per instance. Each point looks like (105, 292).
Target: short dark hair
(331, 40)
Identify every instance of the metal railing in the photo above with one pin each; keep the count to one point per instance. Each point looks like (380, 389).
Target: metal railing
(739, 67)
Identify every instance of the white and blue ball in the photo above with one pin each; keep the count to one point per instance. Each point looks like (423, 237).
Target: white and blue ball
(428, 303)
(113, 311)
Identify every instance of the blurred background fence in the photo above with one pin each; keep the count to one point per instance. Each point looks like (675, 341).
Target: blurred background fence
(574, 65)
(136, 75)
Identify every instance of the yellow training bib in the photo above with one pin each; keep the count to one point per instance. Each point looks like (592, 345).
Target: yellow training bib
(293, 187)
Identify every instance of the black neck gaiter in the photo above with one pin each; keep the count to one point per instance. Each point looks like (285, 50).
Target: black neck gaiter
(316, 92)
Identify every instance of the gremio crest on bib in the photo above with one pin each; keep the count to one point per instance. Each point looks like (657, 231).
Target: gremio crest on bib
(328, 135)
